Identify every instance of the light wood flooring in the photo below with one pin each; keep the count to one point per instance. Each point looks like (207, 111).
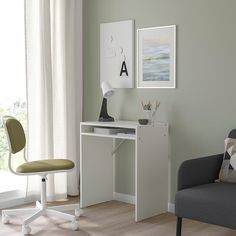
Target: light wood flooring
(114, 219)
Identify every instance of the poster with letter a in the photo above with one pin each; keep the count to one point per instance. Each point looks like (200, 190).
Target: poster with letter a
(117, 54)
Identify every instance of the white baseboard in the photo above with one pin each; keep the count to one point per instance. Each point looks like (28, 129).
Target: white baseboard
(131, 200)
(124, 198)
(171, 207)
(12, 201)
(116, 196)
(16, 202)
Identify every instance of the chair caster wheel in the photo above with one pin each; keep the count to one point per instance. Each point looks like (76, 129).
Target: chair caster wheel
(78, 212)
(75, 225)
(5, 219)
(26, 230)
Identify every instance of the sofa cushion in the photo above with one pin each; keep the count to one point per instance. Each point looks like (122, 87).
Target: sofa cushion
(212, 203)
(228, 168)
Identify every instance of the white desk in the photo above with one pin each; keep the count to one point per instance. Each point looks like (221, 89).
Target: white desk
(151, 165)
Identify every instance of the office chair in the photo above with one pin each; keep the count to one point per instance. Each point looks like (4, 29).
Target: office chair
(17, 142)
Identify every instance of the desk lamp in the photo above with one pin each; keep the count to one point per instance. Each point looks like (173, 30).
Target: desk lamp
(107, 92)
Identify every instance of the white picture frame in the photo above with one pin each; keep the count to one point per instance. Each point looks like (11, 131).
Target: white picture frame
(117, 53)
(156, 57)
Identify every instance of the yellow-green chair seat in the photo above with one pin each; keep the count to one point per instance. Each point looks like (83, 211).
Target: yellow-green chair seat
(45, 165)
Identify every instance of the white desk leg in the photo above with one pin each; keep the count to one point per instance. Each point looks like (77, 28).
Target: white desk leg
(96, 170)
(151, 163)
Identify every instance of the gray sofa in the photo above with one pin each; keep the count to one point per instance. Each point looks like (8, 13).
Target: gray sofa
(200, 198)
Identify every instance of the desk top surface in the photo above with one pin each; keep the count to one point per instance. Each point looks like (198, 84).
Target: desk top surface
(118, 123)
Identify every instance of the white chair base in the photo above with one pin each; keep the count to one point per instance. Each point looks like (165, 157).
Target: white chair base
(39, 211)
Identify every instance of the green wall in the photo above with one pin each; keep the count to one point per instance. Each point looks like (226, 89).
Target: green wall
(202, 109)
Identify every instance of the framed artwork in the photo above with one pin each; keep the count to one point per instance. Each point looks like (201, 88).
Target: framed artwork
(117, 54)
(156, 57)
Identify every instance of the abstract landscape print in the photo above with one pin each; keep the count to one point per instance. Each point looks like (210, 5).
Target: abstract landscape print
(156, 57)
(156, 60)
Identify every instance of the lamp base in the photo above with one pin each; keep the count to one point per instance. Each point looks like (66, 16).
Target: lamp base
(106, 119)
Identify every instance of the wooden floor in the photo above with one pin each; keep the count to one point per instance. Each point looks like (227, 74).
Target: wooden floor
(114, 219)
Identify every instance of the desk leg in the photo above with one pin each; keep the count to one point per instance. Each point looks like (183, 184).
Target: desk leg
(96, 170)
(151, 177)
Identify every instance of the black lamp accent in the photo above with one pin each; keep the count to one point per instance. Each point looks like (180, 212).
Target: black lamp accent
(103, 113)
(107, 91)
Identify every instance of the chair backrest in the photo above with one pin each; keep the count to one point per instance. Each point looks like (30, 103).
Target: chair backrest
(15, 134)
(232, 133)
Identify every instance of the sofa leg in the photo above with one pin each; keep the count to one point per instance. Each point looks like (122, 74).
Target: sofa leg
(178, 226)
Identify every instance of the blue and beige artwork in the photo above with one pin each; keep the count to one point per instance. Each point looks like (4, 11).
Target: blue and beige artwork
(156, 60)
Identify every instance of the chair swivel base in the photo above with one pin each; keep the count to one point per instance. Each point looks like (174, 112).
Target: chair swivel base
(39, 210)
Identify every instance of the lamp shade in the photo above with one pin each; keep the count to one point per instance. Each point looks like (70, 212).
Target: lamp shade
(107, 90)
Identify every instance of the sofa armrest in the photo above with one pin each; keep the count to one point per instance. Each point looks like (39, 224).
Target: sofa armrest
(199, 171)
